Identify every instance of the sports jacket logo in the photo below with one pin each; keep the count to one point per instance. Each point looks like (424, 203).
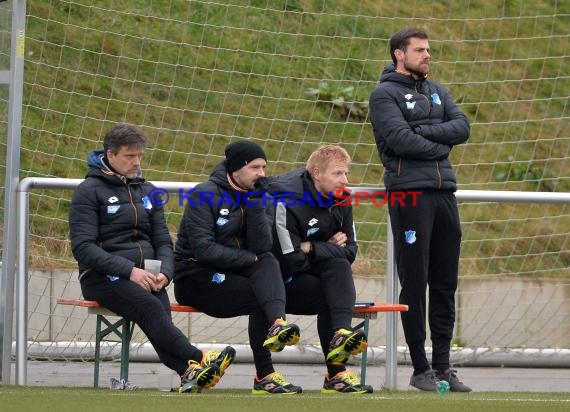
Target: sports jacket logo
(147, 204)
(221, 221)
(410, 236)
(435, 98)
(313, 221)
(113, 199)
(410, 105)
(312, 231)
(112, 209)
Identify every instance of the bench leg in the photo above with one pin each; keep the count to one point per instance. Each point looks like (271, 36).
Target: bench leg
(123, 329)
(364, 355)
(126, 335)
(98, 338)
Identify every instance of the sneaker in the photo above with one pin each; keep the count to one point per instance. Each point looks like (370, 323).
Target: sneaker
(281, 334)
(426, 381)
(222, 358)
(345, 382)
(274, 383)
(345, 343)
(199, 376)
(455, 384)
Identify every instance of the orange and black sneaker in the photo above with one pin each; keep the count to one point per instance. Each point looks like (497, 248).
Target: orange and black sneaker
(198, 377)
(274, 384)
(345, 382)
(223, 358)
(345, 343)
(281, 334)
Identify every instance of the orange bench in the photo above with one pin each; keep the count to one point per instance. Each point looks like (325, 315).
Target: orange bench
(123, 328)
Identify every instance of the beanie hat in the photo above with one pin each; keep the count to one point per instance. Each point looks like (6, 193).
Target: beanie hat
(240, 153)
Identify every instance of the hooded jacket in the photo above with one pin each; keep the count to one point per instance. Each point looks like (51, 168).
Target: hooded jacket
(303, 214)
(415, 124)
(221, 229)
(113, 224)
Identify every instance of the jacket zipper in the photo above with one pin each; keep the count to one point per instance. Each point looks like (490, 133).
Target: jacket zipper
(438, 172)
(236, 238)
(135, 225)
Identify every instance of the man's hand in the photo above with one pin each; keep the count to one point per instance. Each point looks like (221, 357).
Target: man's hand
(339, 239)
(306, 247)
(148, 281)
(261, 185)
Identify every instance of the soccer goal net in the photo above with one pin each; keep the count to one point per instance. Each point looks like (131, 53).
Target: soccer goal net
(292, 75)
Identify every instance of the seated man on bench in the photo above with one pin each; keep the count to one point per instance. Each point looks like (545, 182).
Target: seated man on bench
(114, 227)
(315, 243)
(224, 265)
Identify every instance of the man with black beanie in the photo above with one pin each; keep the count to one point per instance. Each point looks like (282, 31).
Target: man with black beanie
(223, 260)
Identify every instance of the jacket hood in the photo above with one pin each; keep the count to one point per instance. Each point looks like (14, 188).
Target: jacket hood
(389, 74)
(291, 181)
(96, 159)
(220, 176)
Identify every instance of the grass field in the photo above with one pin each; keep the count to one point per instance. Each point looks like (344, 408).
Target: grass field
(14, 398)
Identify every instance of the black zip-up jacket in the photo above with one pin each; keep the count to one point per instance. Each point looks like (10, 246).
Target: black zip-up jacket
(415, 123)
(312, 217)
(113, 225)
(220, 229)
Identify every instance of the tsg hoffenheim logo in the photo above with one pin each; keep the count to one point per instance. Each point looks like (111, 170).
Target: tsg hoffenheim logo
(435, 98)
(147, 204)
(410, 236)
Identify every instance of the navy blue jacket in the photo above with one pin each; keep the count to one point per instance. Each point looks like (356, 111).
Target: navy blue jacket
(113, 226)
(415, 123)
(219, 229)
(312, 217)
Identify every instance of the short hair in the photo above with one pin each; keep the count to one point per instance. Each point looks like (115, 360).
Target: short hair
(124, 135)
(401, 40)
(326, 154)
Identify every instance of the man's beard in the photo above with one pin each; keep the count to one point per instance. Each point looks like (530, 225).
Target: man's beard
(414, 71)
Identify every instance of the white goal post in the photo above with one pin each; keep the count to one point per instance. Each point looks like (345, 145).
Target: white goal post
(391, 290)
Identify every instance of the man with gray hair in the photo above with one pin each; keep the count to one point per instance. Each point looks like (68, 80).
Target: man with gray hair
(114, 227)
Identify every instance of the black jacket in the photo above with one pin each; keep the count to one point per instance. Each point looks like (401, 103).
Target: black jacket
(113, 225)
(415, 123)
(220, 229)
(309, 216)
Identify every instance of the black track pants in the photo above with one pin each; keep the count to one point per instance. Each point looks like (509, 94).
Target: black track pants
(326, 291)
(427, 240)
(150, 311)
(257, 291)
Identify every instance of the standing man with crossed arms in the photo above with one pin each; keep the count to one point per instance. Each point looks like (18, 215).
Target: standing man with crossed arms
(416, 124)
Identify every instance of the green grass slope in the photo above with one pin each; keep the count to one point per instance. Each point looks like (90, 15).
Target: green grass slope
(197, 75)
